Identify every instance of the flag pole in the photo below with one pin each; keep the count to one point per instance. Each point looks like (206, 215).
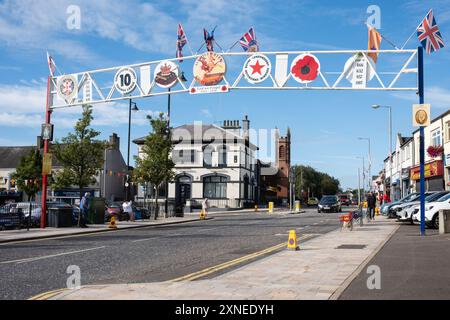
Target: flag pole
(384, 38)
(233, 46)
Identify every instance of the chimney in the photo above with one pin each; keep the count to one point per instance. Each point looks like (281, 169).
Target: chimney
(114, 141)
(246, 128)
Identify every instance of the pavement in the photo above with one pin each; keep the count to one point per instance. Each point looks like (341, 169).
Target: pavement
(322, 268)
(411, 267)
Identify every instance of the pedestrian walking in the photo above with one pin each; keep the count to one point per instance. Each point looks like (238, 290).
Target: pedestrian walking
(205, 206)
(371, 204)
(84, 209)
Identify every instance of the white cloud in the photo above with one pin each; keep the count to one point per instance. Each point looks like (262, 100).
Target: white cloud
(438, 97)
(24, 106)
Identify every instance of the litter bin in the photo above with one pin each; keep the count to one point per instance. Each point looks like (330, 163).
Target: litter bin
(60, 217)
(179, 210)
(96, 214)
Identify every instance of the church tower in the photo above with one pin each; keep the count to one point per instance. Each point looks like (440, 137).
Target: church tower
(284, 165)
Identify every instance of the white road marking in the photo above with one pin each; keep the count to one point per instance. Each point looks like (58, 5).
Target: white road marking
(50, 256)
(174, 235)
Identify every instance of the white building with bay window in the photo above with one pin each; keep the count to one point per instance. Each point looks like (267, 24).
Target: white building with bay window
(218, 163)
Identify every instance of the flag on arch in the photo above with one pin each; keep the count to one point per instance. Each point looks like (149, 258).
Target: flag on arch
(429, 34)
(209, 39)
(181, 41)
(374, 43)
(51, 64)
(248, 41)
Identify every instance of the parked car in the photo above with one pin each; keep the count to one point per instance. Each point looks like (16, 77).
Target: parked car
(386, 208)
(114, 209)
(329, 204)
(399, 206)
(432, 211)
(35, 219)
(406, 210)
(344, 199)
(313, 201)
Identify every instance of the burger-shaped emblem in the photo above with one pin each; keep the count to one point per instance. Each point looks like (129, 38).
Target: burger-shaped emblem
(305, 68)
(166, 74)
(209, 69)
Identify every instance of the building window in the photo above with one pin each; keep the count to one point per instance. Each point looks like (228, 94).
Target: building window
(215, 187)
(222, 156)
(447, 131)
(207, 157)
(235, 159)
(185, 157)
(436, 138)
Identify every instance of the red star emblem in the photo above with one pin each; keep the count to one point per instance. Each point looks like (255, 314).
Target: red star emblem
(257, 67)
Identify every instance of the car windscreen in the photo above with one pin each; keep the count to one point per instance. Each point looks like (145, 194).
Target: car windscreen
(410, 197)
(444, 198)
(435, 196)
(328, 200)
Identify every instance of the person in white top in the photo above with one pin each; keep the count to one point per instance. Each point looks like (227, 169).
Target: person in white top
(205, 206)
(128, 209)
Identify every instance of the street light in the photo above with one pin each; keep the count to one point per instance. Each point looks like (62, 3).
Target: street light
(132, 107)
(370, 163)
(376, 106)
(363, 173)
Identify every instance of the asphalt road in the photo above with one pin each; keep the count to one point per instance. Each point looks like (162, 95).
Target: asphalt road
(149, 254)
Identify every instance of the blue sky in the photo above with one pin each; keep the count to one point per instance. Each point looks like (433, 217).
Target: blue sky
(324, 124)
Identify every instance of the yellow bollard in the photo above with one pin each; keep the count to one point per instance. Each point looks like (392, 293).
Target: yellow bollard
(270, 207)
(202, 215)
(298, 206)
(292, 241)
(112, 223)
(256, 208)
(377, 211)
(365, 204)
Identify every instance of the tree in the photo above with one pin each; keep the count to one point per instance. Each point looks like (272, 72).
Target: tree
(28, 174)
(316, 183)
(155, 166)
(80, 154)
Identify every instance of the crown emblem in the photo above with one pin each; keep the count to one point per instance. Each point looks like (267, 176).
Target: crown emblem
(166, 69)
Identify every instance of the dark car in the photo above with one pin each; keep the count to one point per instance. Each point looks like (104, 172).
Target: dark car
(329, 204)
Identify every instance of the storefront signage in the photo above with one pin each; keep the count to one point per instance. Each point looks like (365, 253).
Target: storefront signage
(432, 169)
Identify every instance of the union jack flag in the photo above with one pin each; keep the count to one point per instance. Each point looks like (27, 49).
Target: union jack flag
(429, 35)
(181, 41)
(248, 41)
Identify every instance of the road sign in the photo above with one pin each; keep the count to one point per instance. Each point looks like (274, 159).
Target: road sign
(421, 115)
(125, 80)
(47, 164)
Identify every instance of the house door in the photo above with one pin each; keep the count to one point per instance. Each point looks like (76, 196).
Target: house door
(183, 189)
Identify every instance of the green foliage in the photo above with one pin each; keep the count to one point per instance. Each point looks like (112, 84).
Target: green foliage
(318, 183)
(28, 174)
(80, 154)
(155, 166)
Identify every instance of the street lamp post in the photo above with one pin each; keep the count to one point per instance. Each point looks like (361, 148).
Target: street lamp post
(132, 107)
(376, 106)
(370, 163)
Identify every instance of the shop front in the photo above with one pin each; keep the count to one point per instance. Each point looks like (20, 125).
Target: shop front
(406, 183)
(434, 176)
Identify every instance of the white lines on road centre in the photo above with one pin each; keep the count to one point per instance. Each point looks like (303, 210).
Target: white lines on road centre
(19, 261)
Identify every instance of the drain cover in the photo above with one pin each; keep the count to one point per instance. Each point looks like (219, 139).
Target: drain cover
(352, 246)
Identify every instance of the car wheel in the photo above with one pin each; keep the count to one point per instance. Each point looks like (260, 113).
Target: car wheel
(435, 222)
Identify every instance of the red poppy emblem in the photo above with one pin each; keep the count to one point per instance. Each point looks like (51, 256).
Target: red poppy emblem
(305, 68)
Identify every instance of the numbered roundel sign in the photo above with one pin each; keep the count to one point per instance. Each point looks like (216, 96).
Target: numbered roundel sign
(305, 68)
(125, 80)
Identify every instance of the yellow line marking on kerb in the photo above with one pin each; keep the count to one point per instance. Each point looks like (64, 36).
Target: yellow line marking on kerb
(228, 264)
(47, 295)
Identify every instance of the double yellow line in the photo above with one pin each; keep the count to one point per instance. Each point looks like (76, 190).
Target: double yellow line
(228, 264)
(47, 295)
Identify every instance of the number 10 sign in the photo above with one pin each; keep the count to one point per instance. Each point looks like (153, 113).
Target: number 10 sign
(125, 80)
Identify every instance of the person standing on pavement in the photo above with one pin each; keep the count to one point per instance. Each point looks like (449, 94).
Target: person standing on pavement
(205, 206)
(371, 203)
(127, 210)
(84, 209)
